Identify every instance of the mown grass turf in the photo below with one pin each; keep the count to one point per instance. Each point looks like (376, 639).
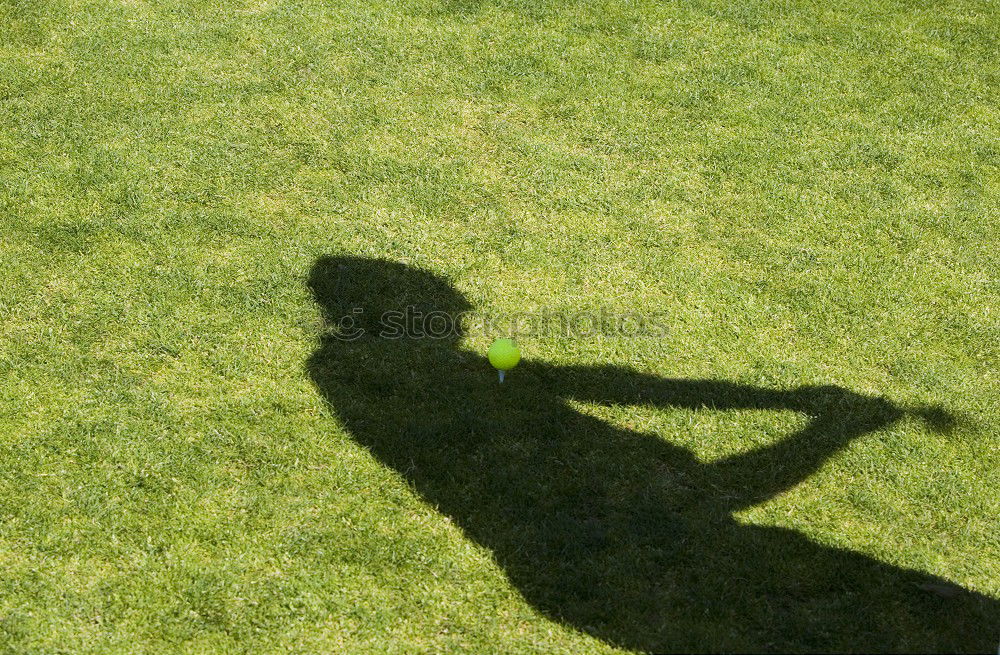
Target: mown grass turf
(808, 191)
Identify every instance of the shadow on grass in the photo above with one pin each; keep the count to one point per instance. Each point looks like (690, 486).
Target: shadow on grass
(617, 533)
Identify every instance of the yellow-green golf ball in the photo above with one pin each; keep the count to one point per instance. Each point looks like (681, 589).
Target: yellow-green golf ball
(504, 354)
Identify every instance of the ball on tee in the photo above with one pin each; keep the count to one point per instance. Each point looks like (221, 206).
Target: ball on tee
(503, 354)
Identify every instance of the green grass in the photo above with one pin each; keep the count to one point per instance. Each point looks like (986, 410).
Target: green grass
(809, 192)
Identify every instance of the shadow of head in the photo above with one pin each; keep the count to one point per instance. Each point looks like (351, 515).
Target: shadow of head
(367, 297)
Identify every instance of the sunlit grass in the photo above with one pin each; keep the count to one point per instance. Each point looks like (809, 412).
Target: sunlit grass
(809, 191)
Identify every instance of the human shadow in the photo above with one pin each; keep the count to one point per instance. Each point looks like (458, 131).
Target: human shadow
(614, 532)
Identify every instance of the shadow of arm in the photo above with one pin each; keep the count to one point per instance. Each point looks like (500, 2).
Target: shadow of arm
(838, 416)
(613, 385)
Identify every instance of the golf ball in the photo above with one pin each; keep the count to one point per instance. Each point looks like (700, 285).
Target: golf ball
(503, 354)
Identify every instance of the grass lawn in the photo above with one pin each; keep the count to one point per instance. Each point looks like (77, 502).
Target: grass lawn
(806, 193)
